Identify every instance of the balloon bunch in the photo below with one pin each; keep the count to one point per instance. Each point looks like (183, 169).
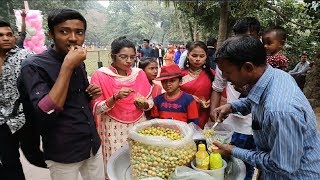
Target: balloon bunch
(35, 37)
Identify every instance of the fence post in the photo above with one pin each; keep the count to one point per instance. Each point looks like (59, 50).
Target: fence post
(99, 61)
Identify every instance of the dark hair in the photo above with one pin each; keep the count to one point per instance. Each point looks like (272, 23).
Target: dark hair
(139, 49)
(211, 41)
(119, 43)
(203, 46)
(147, 40)
(281, 33)
(304, 53)
(245, 24)
(5, 24)
(188, 44)
(145, 61)
(58, 16)
(241, 49)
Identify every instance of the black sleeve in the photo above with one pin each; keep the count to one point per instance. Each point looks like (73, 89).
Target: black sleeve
(36, 85)
(153, 53)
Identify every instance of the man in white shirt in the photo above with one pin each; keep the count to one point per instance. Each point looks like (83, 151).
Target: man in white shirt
(159, 51)
(300, 71)
(302, 67)
(183, 56)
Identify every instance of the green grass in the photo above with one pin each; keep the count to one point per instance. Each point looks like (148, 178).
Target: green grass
(93, 58)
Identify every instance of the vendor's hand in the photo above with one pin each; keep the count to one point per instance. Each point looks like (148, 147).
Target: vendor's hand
(94, 91)
(141, 105)
(221, 113)
(224, 149)
(123, 93)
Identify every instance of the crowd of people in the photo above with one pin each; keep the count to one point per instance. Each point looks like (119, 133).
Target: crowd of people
(82, 123)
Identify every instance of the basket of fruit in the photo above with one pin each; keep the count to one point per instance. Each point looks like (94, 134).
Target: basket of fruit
(158, 146)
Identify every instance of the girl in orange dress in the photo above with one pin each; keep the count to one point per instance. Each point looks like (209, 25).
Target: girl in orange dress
(169, 56)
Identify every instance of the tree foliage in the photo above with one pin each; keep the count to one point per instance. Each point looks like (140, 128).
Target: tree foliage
(140, 19)
(300, 19)
(7, 6)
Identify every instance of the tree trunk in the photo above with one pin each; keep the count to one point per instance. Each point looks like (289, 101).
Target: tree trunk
(181, 28)
(312, 86)
(152, 35)
(195, 32)
(223, 22)
(163, 35)
(190, 30)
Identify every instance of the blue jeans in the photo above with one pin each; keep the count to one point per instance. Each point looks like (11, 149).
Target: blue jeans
(246, 142)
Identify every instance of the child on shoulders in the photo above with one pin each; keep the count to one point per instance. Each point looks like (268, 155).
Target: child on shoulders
(274, 39)
(174, 103)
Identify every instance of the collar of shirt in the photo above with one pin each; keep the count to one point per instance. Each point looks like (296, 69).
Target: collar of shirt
(12, 51)
(55, 54)
(304, 63)
(257, 90)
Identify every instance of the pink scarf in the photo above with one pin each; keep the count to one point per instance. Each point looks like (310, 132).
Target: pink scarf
(111, 82)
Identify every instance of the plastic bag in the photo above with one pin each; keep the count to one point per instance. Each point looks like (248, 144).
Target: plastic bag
(235, 170)
(158, 156)
(152, 178)
(197, 131)
(222, 133)
(187, 173)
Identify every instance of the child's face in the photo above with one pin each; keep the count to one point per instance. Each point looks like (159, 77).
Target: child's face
(151, 71)
(197, 58)
(271, 43)
(171, 85)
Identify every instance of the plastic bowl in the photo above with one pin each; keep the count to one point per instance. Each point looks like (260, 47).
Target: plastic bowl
(218, 174)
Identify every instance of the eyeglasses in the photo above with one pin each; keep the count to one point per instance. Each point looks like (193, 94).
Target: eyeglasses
(125, 57)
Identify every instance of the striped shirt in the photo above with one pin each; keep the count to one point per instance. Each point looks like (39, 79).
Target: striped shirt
(284, 129)
(183, 108)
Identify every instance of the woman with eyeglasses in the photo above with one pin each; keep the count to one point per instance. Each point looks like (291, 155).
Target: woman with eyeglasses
(123, 100)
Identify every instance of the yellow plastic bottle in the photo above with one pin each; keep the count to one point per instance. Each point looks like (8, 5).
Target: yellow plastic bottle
(202, 157)
(215, 159)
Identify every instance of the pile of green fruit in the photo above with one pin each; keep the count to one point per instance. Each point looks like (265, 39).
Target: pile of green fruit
(157, 161)
(161, 131)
